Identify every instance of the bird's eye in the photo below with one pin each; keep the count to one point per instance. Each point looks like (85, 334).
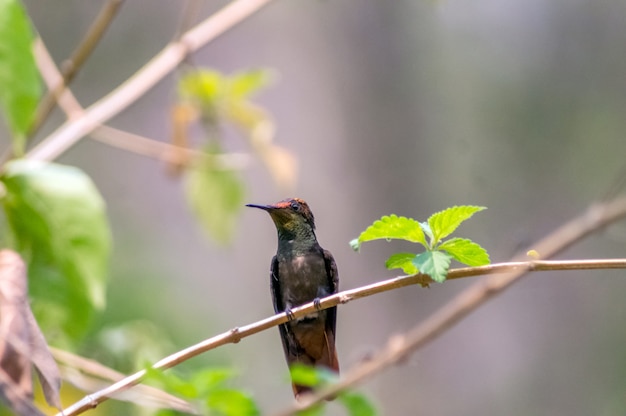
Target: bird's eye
(295, 206)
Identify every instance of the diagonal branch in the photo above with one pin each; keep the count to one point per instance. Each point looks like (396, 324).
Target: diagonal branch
(76, 61)
(119, 138)
(236, 334)
(595, 218)
(400, 347)
(143, 80)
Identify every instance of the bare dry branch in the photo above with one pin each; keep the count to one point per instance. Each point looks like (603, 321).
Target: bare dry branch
(75, 62)
(90, 376)
(236, 334)
(119, 138)
(143, 80)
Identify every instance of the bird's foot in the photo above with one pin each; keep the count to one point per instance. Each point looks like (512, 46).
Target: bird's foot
(317, 303)
(290, 315)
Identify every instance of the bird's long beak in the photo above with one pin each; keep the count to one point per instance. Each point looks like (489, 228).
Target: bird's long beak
(263, 207)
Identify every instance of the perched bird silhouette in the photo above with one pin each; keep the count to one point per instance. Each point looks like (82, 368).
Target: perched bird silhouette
(302, 272)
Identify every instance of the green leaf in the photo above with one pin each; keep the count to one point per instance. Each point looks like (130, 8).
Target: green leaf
(310, 376)
(216, 198)
(59, 224)
(444, 223)
(316, 410)
(465, 251)
(427, 231)
(357, 404)
(171, 382)
(243, 84)
(433, 263)
(304, 375)
(392, 227)
(204, 85)
(212, 378)
(230, 402)
(402, 261)
(20, 86)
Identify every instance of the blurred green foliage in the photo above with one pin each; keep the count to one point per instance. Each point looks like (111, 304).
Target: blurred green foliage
(59, 224)
(209, 389)
(20, 86)
(355, 404)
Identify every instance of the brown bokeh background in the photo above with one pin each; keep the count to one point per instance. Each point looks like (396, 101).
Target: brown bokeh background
(402, 107)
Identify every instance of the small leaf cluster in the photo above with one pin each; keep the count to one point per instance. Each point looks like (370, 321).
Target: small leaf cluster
(356, 404)
(215, 100)
(435, 260)
(209, 389)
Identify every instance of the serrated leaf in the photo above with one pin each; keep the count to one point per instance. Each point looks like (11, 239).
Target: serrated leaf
(443, 223)
(20, 85)
(216, 198)
(465, 251)
(59, 224)
(243, 84)
(357, 404)
(230, 402)
(393, 227)
(433, 263)
(402, 261)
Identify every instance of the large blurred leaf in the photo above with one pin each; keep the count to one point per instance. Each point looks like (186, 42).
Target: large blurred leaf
(231, 402)
(58, 220)
(215, 196)
(19, 79)
(357, 404)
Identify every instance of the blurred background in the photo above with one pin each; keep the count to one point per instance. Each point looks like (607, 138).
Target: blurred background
(403, 107)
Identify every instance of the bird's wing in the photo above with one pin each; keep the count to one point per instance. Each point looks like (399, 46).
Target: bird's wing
(277, 298)
(286, 336)
(331, 360)
(333, 287)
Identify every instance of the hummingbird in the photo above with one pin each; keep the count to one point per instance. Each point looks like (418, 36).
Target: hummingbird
(301, 272)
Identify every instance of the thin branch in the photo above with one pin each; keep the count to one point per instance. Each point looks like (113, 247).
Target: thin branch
(400, 347)
(144, 79)
(121, 139)
(52, 77)
(236, 334)
(77, 59)
(166, 151)
(89, 375)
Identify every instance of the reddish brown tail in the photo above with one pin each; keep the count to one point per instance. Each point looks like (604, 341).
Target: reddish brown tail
(327, 359)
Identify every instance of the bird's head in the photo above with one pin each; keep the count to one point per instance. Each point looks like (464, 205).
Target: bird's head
(289, 215)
